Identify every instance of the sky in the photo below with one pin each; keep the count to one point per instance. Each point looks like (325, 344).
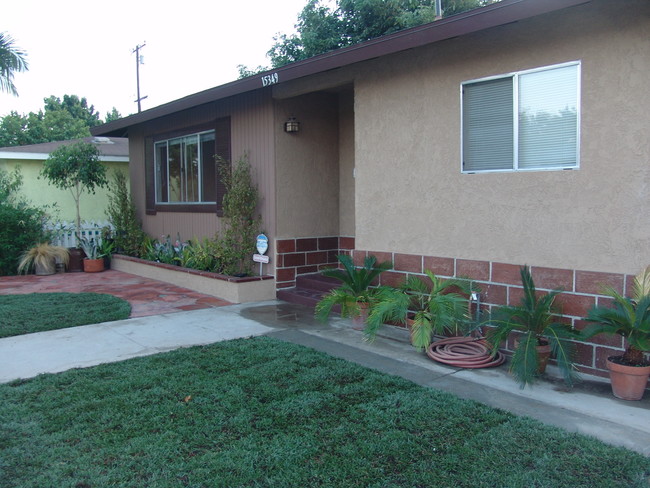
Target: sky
(85, 48)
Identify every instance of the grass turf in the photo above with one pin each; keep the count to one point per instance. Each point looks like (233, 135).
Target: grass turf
(37, 312)
(263, 413)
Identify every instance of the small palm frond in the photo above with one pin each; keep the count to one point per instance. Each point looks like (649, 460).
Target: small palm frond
(641, 287)
(357, 279)
(563, 350)
(390, 306)
(525, 361)
(338, 296)
(421, 330)
(498, 334)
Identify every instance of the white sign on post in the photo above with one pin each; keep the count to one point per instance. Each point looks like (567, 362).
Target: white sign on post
(260, 258)
(262, 244)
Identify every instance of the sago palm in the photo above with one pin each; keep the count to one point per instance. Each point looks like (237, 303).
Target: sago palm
(628, 317)
(355, 287)
(436, 305)
(536, 319)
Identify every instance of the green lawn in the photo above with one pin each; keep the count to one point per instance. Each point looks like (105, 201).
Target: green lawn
(262, 413)
(36, 312)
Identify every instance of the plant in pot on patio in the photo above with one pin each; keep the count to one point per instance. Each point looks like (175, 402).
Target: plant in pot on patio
(541, 334)
(434, 306)
(94, 260)
(77, 168)
(43, 258)
(356, 295)
(628, 317)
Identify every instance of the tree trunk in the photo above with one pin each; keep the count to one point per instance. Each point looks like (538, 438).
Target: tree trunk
(633, 356)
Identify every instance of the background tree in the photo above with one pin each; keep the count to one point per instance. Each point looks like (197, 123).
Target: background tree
(12, 60)
(321, 29)
(60, 120)
(22, 224)
(75, 167)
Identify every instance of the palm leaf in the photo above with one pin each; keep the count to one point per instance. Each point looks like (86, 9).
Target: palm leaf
(525, 361)
(355, 286)
(535, 316)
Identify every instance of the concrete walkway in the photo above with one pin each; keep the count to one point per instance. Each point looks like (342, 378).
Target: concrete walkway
(589, 408)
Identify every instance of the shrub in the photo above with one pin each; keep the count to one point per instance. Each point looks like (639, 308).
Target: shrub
(242, 223)
(164, 251)
(230, 253)
(22, 224)
(128, 235)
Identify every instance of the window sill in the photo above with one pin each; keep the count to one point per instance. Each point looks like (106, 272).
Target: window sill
(186, 208)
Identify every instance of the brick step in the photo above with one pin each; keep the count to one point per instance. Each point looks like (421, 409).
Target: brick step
(308, 298)
(316, 281)
(309, 289)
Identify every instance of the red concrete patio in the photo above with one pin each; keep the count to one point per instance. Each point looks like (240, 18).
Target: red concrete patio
(147, 297)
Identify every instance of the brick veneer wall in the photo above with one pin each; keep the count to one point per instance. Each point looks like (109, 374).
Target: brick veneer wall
(500, 284)
(307, 255)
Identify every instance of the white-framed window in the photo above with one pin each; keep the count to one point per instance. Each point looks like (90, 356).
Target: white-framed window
(528, 120)
(185, 169)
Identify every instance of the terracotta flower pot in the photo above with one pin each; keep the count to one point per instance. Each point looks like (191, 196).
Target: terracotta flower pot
(628, 382)
(93, 265)
(543, 355)
(359, 321)
(409, 325)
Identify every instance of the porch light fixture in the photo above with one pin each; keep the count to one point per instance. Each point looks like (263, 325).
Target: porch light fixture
(292, 125)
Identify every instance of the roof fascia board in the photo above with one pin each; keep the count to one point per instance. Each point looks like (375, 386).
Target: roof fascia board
(494, 15)
(23, 156)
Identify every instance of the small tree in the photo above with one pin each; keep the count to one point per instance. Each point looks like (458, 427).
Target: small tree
(128, 234)
(239, 211)
(75, 167)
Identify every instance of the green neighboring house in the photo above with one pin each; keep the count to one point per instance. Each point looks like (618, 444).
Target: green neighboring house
(114, 154)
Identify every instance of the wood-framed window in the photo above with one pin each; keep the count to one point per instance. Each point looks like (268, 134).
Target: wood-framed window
(528, 120)
(181, 168)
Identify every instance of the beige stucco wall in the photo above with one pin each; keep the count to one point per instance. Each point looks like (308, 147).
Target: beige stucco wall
(346, 164)
(411, 196)
(307, 167)
(59, 204)
(251, 135)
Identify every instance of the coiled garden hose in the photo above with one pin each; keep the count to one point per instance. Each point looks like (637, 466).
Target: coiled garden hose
(464, 352)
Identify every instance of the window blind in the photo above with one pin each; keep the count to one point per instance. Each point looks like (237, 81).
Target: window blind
(488, 114)
(548, 112)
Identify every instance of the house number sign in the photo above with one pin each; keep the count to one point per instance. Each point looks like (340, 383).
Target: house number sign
(271, 79)
(262, 244)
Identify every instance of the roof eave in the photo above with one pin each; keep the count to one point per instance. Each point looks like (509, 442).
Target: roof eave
(494, 15)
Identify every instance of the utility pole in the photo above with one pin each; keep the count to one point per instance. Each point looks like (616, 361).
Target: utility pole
(138, 61)
(438, 9)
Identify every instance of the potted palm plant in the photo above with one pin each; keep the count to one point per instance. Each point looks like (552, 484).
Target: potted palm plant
(628, 317)
(428, 307)
(540, 334)
(355, 295)
(42, 258)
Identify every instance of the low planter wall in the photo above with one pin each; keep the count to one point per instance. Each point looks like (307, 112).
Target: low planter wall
(235, 290)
